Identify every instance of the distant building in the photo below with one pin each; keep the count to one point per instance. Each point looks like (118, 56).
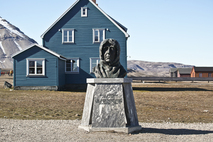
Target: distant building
(184, 72)
(202, 72)
(180, 72)
(173, 72)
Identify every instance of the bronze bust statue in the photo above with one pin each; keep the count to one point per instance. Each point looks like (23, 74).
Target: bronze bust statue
(109, 66)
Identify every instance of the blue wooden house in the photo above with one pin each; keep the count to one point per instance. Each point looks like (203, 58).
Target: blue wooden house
(70, 49)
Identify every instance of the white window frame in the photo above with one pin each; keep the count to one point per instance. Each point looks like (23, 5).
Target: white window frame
(97, 61)
(72, 72)
(83, 9)
(70, 32)
(35, 60)
(94, 30)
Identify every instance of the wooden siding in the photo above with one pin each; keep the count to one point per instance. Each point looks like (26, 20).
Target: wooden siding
(185, 75)
(61, 74)
(50, 78)
(204, 74)
(84, 48)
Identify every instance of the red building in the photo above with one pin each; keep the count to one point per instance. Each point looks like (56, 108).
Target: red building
(202, 72)
(184, 72)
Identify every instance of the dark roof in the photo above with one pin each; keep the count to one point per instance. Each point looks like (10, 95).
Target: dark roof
(184, 70)
(43, 48)
(204, 69)
(173, 69)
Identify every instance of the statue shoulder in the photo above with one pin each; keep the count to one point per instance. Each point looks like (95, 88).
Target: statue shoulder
(122, 72)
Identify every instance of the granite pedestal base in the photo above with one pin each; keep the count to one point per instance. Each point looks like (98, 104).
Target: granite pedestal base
(109, 106)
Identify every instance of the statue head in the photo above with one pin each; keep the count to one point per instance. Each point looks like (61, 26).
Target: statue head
(109, 66)
(109, 51)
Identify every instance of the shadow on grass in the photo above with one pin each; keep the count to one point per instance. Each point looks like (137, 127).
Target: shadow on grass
(167, 89)
(173, 131)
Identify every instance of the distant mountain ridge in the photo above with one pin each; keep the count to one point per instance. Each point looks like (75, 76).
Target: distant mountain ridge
(137, 68)
(12, 40)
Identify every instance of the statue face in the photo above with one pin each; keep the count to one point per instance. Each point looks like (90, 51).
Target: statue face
(109, 52)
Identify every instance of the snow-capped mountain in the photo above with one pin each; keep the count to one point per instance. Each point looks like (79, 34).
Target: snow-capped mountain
(12, 40)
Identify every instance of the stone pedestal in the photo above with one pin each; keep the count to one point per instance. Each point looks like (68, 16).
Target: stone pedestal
(109, 106)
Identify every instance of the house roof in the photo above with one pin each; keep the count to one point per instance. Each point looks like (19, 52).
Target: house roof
(204, 69)
(173, 69)
(184, 70)
(43, 48)
(121, 27)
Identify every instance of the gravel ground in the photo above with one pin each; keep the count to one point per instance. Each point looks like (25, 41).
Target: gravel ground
(67, 130)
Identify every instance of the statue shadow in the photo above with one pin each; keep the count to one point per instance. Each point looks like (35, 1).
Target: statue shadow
(173, 131)
(168, 89)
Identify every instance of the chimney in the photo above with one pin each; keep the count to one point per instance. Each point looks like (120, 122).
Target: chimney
(95, 2)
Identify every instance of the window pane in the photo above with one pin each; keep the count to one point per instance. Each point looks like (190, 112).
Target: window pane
(68, 63)
(39, 70)
(210, 75)
(68, 69)
(96, 35)
(70, 36)
(72, 65)
(31, 63)
(75, 67)
(94, 61)
(84, 11)
(36, 67)
(93, 65)
(39, 63)
(31, 70)
(101, 35)
(65, 35)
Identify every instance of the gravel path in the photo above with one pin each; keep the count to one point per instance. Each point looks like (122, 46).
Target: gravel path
(67, 130)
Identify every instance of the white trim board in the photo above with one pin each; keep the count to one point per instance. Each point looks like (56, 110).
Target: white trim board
(43, 48)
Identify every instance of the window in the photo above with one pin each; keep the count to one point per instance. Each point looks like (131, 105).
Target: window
(200, 74)
(98, 35)
(72, 65)
(84, 12)
(36, 67)
(209, 74)
(93, 62)
(67, 35)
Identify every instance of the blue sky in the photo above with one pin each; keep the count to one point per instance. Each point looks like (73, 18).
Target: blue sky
(160, 30)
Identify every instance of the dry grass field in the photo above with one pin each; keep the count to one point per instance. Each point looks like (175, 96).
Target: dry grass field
(155, 102)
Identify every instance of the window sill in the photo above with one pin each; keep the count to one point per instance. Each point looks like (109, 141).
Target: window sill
(35, 75)
(68, 42)
(96, 42)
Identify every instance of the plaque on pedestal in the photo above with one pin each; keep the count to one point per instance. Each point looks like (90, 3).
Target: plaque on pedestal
(109, 105)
